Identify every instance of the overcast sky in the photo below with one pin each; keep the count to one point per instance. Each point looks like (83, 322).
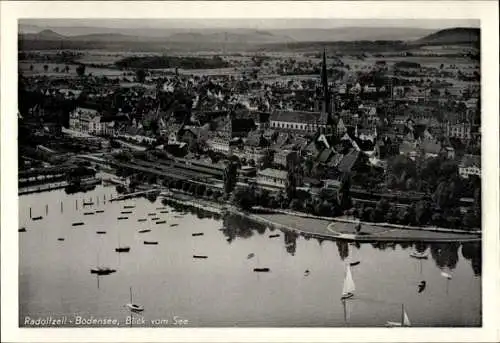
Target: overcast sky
(252, 23)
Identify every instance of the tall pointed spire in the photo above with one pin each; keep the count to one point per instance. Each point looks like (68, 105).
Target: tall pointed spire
(324, 82)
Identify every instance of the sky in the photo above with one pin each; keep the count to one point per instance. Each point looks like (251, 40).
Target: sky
(252, 23)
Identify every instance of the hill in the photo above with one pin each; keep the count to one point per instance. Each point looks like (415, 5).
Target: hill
(457, 35)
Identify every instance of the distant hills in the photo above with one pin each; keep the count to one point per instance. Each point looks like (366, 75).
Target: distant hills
(219, 38)
(457, 35)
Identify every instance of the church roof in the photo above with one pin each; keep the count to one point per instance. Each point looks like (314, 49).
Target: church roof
(296, 117)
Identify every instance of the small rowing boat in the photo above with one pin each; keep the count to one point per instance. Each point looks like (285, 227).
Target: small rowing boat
(78, 224)
(122, 249)
(141, 220)
(23, 229)
(196, 234)
(161, 222)
(144, 231)
(129, 206)
(101, 232)
(88, 213)
(274, 236)
(155, 218)
(174, 225)
(261, 270)
(150, 243)
(60, 239)
(99, 211)
(125, 212)
(200, 256)
(37, 218)
(121, 218)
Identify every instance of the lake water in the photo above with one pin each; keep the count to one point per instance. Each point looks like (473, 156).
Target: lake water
(222, 290)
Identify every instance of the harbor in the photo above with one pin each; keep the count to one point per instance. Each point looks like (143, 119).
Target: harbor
(244, 262)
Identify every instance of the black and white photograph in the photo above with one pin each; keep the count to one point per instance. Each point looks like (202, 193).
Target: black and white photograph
(250, 173)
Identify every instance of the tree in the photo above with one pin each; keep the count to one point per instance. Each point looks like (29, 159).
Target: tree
(296, 205)
(80, 70)
(345, 192)
(140, 75)
(245, 198)
(230, 177)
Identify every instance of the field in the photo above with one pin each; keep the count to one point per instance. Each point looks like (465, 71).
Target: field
(38, 70)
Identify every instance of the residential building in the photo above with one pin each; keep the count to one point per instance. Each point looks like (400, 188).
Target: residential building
(470, 165)
(272, 178)
(461, 130)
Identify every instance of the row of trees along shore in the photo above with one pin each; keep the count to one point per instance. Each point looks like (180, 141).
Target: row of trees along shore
(437, 179)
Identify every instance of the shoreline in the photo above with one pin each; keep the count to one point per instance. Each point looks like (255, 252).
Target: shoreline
(329, 233)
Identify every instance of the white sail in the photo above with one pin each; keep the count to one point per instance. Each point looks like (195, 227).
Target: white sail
(348, 282)
(406, 321)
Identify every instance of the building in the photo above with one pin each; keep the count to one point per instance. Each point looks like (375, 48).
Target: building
(297, 121)
(470, 165)
(272, 178)
(461, 131)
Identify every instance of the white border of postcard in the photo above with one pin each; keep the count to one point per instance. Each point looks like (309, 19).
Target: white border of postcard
(486, 11)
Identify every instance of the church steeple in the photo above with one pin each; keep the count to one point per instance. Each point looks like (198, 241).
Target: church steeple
(324, 82)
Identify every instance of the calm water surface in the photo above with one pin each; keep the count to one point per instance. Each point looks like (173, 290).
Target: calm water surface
(223, 290)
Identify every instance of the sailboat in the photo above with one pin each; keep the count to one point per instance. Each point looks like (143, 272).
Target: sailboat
(120, 248)
(419, 255)
(134, 307)
(349, 288)
(405, 321)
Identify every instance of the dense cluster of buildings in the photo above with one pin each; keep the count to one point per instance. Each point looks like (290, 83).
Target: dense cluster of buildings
(263, 121)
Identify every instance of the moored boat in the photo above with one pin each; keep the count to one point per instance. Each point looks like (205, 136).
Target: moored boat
(405, 321)
(349, 287)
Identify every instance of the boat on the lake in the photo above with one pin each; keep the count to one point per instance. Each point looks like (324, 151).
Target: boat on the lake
(88, 213)
(446, 275)
(78, 224)
(164, 212)
(134, 307)
(251, 255)
(161, 222)
(155, 218)
(419, 255)
(102, 271)
(405, 321)
(125, 212)
(160, 208)
(352, 264)
(122, 218)
(151, 214)
(99, 211)
(101, 232)
(88, 203)
(150, 243)
(60, 239)
(141, 220)
(261, 270)
(173, 225)
(421, 286)
(122, 249)
(23, 229)
(129, 206)
(200, 256)
(197, 234)
(349, 287)
(274, 236)
(37, 218)
(144, 230)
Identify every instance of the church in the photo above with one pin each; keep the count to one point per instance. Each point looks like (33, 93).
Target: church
(304, 122)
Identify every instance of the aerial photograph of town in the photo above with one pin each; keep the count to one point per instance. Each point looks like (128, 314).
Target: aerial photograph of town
(249, 173)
